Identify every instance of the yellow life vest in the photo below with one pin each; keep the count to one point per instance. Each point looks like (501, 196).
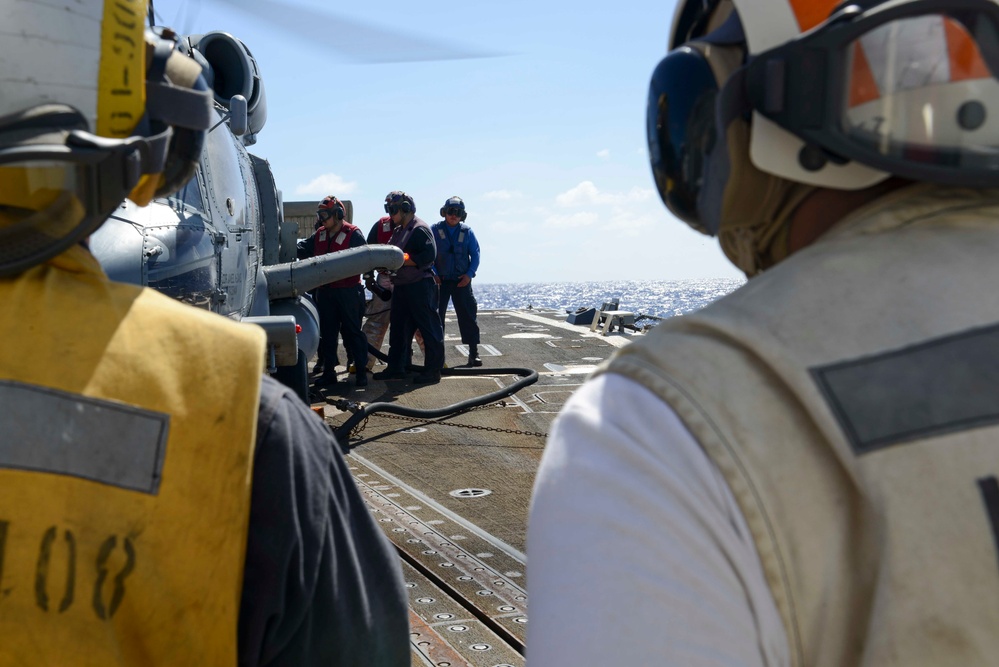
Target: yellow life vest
(127, 429)
(848, 396)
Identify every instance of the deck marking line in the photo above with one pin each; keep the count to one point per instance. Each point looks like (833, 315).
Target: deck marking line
(461, 521)
(616, 341)
(513, 397)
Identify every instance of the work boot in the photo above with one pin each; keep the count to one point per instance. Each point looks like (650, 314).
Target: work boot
(389, 375)
(427, 378)
(473, 356)
(328, 379)
(361, 379)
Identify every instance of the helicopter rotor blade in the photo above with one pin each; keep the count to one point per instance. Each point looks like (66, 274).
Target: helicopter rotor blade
(353, 40)
(182, 23)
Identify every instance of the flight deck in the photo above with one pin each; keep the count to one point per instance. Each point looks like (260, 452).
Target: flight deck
(452, 493)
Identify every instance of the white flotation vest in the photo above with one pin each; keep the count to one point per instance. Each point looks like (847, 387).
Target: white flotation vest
(850, 397)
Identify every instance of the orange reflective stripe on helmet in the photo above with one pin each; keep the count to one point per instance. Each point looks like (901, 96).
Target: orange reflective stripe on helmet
(946, 42)
(810, 13)
(965, 60)
(863, 86)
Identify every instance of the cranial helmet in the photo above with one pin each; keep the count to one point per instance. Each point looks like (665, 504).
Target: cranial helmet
(330, 206)
(760, 101)
(457, 203)
(93, 109)
(400, 199)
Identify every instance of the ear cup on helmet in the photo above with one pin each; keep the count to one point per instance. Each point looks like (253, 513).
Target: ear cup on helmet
(681, 131)
(183, 154)
(335, 207)
(177, 98)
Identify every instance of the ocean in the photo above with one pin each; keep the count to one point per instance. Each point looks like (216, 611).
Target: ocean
(659, 298)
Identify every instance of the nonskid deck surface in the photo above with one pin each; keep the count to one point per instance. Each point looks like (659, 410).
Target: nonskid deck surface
(453, 493)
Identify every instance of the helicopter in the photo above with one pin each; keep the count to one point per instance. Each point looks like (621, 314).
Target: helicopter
(221, 242)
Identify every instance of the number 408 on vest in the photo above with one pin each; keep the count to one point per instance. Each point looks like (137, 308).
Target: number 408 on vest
(100, 584)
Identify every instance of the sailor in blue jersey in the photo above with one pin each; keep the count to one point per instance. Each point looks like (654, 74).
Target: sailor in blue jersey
(414, 294)
(457, 262)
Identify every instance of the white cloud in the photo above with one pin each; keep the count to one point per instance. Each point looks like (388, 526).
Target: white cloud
(636, 221)
(604, 154)
(581, 219)
(501, 194)
(327, 184)
(587, 194)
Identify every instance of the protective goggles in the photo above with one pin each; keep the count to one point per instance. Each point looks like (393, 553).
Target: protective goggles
(325, 214)
(58, 183)
(402, 207)
(907, 88)
(453, 211)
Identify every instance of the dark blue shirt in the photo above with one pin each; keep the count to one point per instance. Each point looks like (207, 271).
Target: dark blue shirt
(457, 251)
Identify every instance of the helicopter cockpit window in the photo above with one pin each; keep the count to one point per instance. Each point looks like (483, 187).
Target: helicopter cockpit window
(190, 194)
(181, 263)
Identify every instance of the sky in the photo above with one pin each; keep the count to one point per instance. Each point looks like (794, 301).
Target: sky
(531, 111)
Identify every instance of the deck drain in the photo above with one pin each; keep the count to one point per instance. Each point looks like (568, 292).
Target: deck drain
(470, 493)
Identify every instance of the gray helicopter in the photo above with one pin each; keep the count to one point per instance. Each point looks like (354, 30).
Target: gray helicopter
(221, 242)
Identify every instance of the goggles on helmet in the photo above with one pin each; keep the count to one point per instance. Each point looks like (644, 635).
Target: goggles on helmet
(399, 202)
(907, 88)
(325, 214)
(58, 183)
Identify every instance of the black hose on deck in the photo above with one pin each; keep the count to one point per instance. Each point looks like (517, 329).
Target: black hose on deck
(527, 378)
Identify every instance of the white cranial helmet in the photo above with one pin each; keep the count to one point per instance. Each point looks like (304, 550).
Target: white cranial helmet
(820, 93)
(93, 108)
(53, 55)
(759, 102)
